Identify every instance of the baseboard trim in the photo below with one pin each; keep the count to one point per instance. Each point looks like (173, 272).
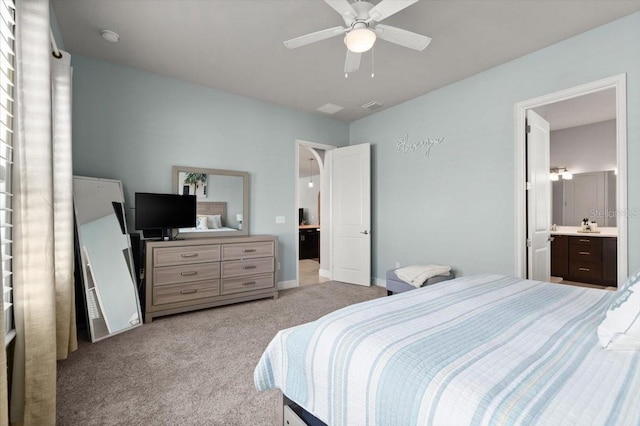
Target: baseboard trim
(284, 285)
(379, 282)
(324, 273)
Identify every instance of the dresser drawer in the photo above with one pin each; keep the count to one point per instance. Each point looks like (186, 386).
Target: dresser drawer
(166, 256)
(588, 271)
(235, 268)
(585, 252)
(248, 250)
(185, 273)
(182, 292)
(253, 282)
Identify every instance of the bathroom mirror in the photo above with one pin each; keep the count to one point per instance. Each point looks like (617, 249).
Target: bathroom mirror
(106, 259)
(589, 195)
(222, 201)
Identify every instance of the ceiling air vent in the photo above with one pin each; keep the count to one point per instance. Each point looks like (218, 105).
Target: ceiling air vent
(373, 105)
(330, 108)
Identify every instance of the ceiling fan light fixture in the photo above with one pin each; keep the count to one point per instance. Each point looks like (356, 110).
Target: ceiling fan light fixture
(360, 40)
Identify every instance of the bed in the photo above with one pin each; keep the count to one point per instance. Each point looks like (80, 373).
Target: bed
(484, 349)
(210, 209)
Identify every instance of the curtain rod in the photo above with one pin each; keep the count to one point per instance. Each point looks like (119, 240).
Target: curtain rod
(55, 52)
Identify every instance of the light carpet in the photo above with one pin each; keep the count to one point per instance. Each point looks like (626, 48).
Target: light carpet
(190, 369)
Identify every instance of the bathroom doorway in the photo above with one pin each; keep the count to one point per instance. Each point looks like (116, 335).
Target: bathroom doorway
(584, 176)
(312, 213)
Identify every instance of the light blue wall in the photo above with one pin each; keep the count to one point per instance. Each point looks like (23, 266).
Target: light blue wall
(53, 22)
(134, 126)
(457, 207)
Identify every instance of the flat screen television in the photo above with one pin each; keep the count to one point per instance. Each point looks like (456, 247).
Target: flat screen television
(164, 212)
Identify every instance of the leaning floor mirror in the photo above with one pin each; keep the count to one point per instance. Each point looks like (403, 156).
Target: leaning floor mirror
(106, 258)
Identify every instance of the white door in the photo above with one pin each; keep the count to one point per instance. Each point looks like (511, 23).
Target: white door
(538, 198)
(351, 214)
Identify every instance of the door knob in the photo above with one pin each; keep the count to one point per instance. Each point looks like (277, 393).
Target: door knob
(365, 232)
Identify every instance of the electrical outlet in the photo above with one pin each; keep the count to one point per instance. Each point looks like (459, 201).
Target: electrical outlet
(279, 219)
(397, 264)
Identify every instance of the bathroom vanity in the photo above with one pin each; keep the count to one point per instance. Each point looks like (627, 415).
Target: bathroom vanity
(586, 257)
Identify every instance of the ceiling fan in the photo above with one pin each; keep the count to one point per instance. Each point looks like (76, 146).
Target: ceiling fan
(363, 28)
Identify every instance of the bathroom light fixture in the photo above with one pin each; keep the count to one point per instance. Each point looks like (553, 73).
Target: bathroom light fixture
(360, 40)
(310, 173)
(560, 172)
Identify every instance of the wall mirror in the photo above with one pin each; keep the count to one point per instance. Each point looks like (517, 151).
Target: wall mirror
(589, 195)
(106, 259)
(223, 201)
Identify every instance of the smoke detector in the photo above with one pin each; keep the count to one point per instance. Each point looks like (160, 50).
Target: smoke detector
(111, 36)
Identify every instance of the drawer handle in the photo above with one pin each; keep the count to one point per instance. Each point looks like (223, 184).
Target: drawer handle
(249, 267)
(189, 255)
(249, 283)
(585, 253)
(585, 269)
(582, 240)
(193, 290)
(249, 250)
(189, 273)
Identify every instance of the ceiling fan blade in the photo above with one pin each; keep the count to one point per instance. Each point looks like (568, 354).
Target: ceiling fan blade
(386, 8)
(402, 37)
(352, 63)
(344, 8)
(313, 37)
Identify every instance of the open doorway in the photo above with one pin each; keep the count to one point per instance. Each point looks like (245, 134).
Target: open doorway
(585, 175)
(583, 172)
(312, 213)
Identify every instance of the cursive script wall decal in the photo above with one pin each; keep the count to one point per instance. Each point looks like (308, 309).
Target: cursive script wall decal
(404, 146)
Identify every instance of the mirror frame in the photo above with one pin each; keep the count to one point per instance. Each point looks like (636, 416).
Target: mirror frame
(94, 331)
(245, 200)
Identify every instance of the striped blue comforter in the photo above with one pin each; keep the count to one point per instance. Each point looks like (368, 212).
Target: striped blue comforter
(479, 350)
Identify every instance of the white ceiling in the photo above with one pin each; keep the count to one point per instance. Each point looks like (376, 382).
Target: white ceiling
(236, 45)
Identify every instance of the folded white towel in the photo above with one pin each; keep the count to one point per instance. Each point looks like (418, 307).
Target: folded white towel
(416, 275)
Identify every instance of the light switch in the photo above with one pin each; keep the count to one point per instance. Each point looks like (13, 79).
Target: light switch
(279, 219)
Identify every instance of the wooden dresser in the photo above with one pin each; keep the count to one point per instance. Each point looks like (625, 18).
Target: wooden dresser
(186, 275)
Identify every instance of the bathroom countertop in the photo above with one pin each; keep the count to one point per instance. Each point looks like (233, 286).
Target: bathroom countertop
(573, 230)
(309, 226)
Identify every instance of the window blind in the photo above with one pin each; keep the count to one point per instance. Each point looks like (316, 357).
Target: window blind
(7, 90)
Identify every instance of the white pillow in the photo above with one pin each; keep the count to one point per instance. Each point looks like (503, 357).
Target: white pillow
(214, 221)
(620, 329)
(201, 222)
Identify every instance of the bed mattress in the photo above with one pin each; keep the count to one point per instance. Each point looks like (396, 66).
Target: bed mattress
(478, 350)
